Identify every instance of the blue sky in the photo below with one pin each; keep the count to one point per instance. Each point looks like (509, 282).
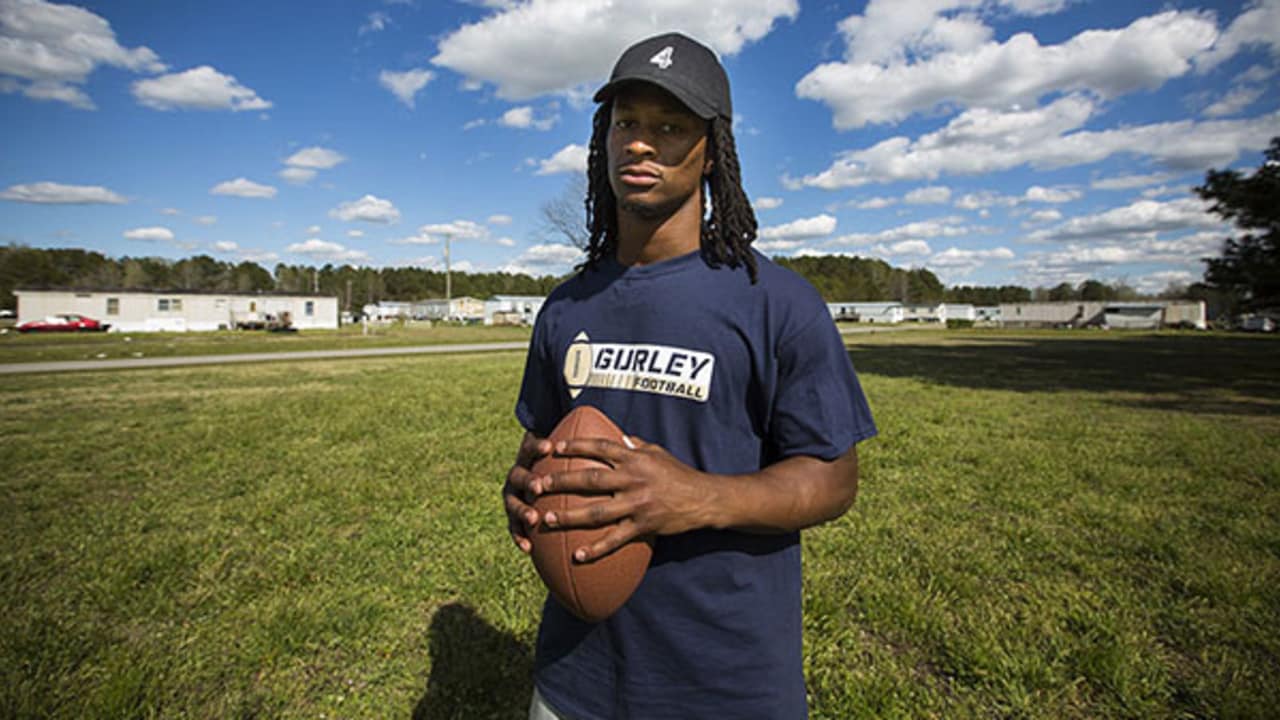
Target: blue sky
(990, 141)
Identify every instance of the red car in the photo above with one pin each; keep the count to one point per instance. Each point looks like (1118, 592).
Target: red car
(66, 322)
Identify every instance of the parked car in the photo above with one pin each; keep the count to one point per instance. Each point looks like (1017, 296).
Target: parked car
(66, 322)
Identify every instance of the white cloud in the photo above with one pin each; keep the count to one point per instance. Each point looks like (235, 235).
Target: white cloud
(510, 50)
(47, 50)
(313, 230)
(522, 117)
(225, 246)
(242, 187)
(550, 259)
(1108, 63)
(1155, 282)
(499, 220)
(355, 233)
(961, 261)
(405, 85)
(810, 227)
(369, 209)
(457, 230)
(984, 199)
(932, 195)
(322, 250)
(767, 203)
(297, 175)
(1129, 182)
(206, 220)
(1163, 190)
(1237, 99)
(1045, 216)
(150, 234)
(1035, 193)
(1141, 218)
(316, 158)
(907, 248)
(417, 239)
(570, 158)
(1259, 24)
(52, 193)
(435, 233)
(983, 141)
(376, 22)
(939, 227)
(201, 88)
(779, 245)
(875, 203)
(1074, 262)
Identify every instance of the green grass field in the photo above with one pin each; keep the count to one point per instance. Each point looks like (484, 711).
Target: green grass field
(1051, 525)
(49, 347)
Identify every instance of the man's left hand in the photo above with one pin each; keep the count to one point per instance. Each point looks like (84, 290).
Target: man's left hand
(653, 493)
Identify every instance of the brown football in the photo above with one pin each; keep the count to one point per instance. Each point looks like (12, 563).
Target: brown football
(594, 590)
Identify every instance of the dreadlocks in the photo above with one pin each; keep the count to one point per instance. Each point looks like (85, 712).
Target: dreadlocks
(727, 233)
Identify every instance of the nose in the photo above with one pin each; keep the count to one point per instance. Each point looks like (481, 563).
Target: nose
(639, 146)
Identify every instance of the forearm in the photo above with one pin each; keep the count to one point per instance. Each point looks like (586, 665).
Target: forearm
(792, 494)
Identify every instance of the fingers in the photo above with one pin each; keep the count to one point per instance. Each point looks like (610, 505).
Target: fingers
(620, 535)
(588, 481)
(532, 448)
(591, 515)
(606, 450)
(520, 517)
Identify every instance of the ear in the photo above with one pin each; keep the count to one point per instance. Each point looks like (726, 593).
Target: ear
(707, 167)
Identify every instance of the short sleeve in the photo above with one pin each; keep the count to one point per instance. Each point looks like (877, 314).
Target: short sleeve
(819, 408)
(536, 406)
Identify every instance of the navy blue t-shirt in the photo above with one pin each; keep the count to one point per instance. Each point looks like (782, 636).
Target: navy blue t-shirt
(729, 377)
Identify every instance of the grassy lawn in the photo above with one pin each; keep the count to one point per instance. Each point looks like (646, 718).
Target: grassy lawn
(1051, 525)
(45, 347)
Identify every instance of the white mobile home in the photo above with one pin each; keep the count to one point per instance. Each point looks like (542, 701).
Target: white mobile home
(459, 309)
(959, 311)
(867, 312)
(178, 310)
(1148, 314)
(512, 309)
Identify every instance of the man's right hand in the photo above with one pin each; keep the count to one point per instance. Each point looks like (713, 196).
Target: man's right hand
(522, 487)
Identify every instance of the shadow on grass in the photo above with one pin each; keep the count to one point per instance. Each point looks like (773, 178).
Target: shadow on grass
(477, 671)
(1188, 373)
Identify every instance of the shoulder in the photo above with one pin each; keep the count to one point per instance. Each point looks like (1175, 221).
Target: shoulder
(787, 292)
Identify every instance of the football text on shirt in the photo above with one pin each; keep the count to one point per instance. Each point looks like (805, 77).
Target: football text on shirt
(640, 367)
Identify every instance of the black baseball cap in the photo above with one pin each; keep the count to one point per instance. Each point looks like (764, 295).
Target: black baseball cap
(680, 65)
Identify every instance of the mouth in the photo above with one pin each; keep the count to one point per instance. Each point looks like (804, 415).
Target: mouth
(637, 176)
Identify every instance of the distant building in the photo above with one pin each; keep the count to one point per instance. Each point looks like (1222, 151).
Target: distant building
(959, 311)
(388, 310)
(179, 310)
(1147, 314)
(512, 309)
(459, 309)
(924, 313)
(867, 312)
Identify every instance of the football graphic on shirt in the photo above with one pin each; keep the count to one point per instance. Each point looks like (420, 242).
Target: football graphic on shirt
(594, 590)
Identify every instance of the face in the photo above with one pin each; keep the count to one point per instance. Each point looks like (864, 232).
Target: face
(657, 152)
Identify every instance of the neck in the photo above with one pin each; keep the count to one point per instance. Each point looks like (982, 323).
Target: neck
(647, 236)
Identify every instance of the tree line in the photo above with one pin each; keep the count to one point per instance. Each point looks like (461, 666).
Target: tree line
(22, 266)
(837, 278)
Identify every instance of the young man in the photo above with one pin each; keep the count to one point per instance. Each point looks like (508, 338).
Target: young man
(740, 405)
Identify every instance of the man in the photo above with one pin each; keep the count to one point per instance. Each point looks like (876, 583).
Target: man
(740, 405)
